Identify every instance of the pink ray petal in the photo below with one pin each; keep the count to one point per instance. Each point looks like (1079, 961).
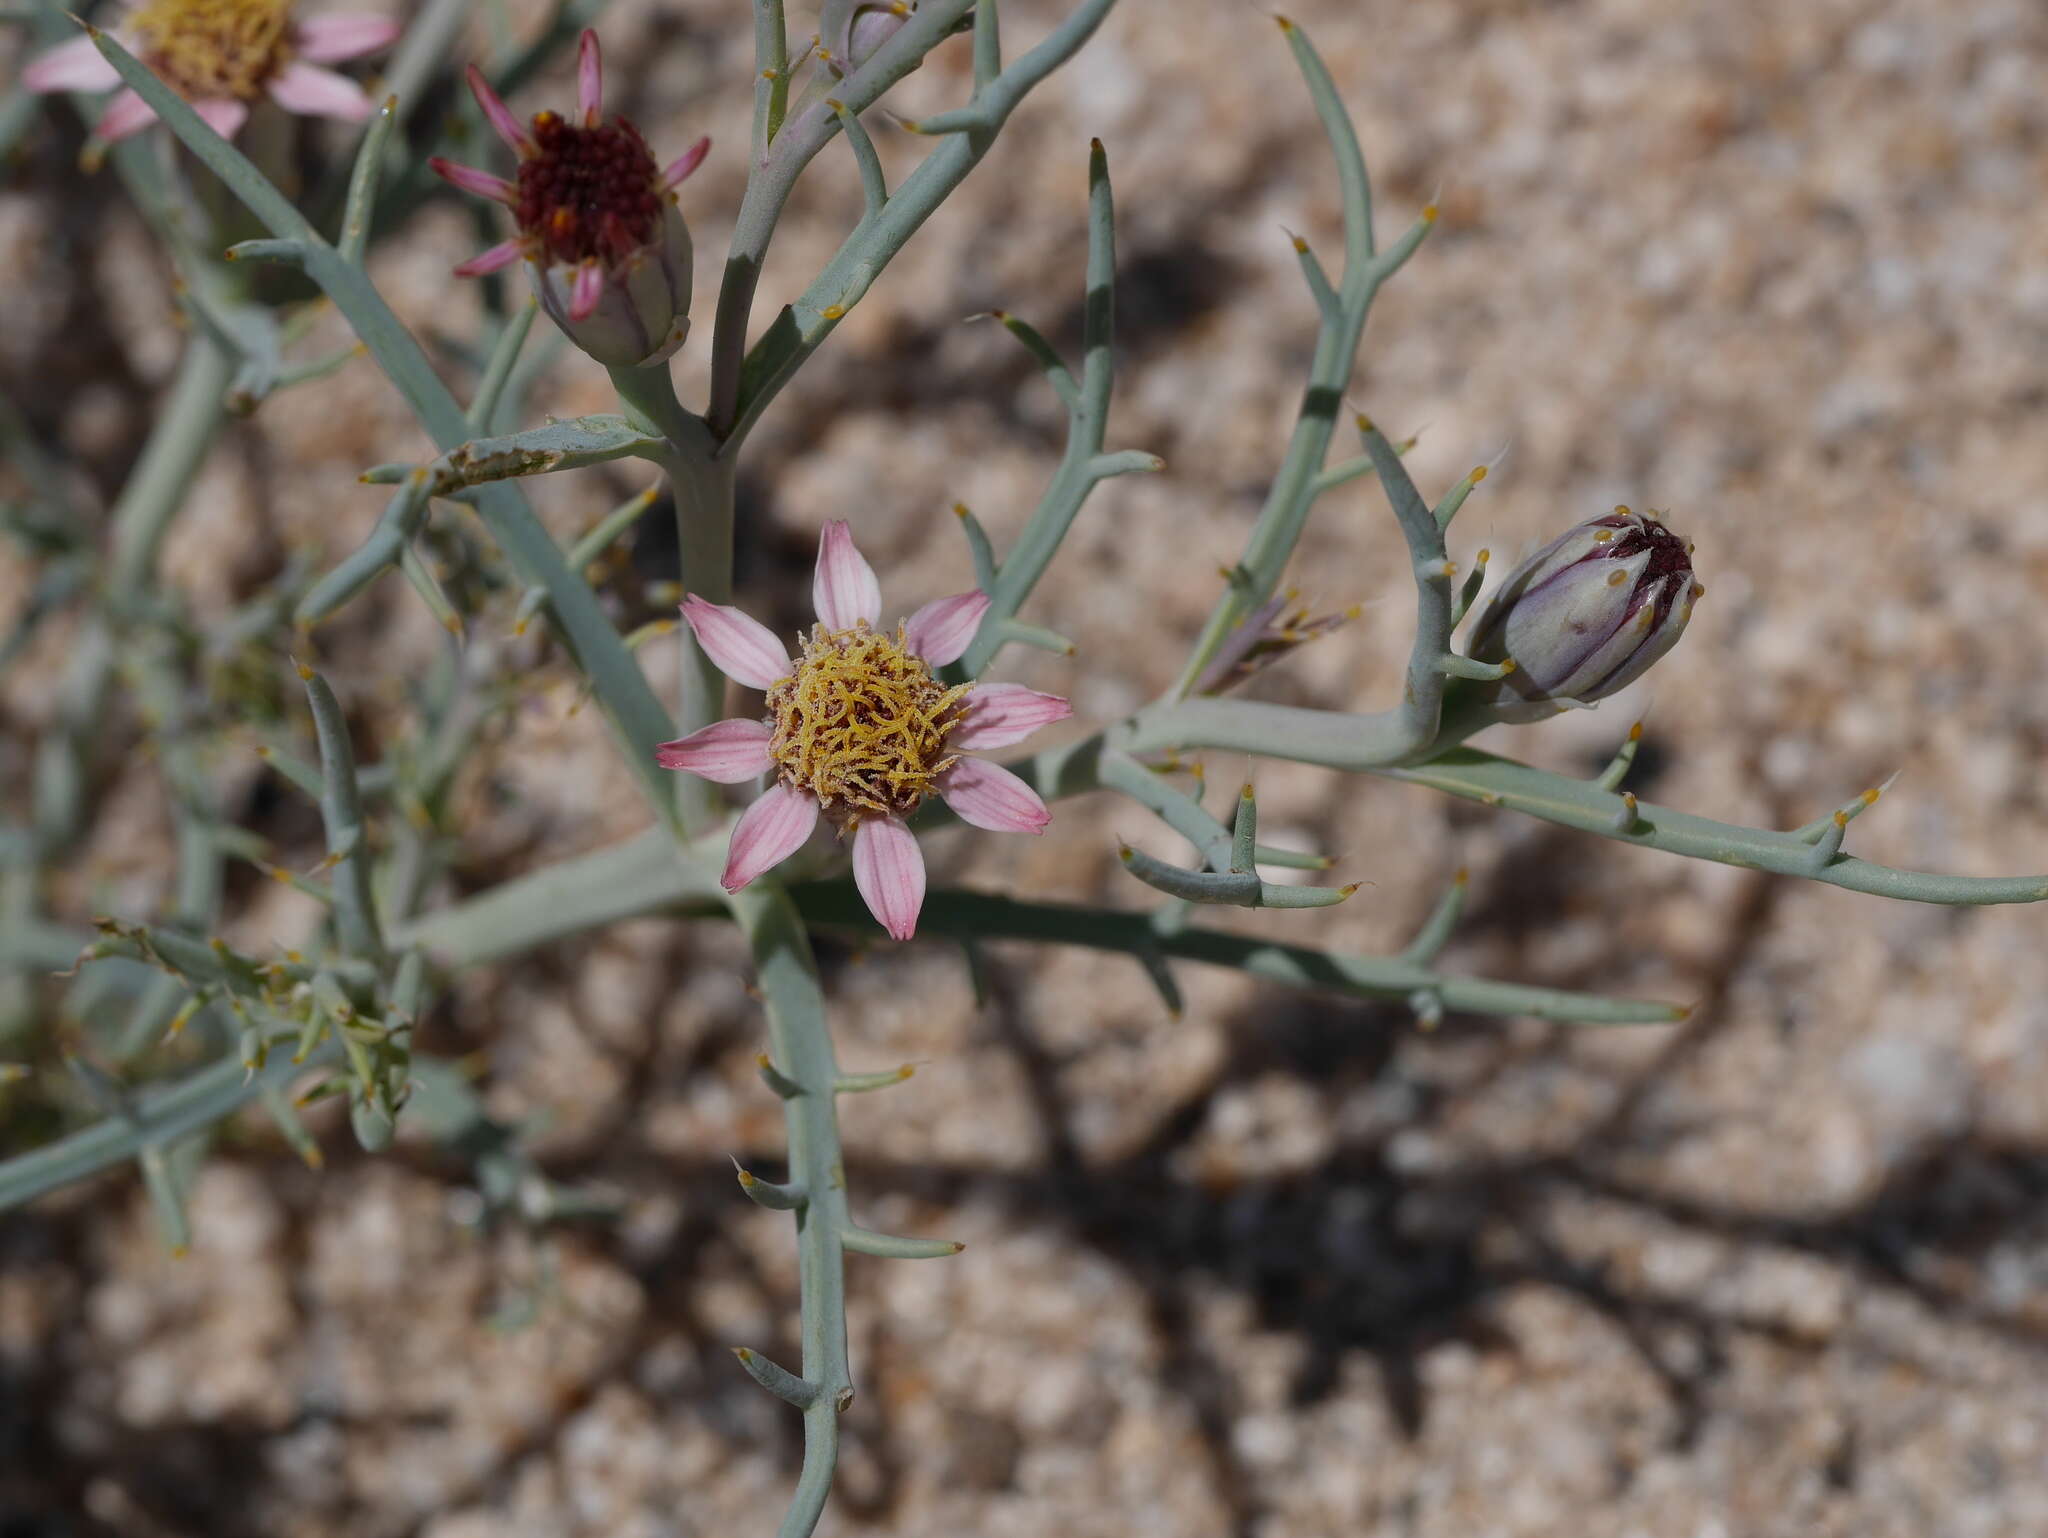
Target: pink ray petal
(74, 66)
(503, 254)
(586, 290)
(500, 115)
(940, 631)
(224, 115)
(126, 114)
(888, 867)
(342, 35)
(991, 797)
(844, 588)
(589, 80)
(311, 91)
(677, 171)
(998, 715)
(725, 751)
(481, 183)
(768, 832)
(744, 649)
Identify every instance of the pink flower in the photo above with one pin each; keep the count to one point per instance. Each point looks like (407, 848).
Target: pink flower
(597, 221)
(221, 56)
(860, 731)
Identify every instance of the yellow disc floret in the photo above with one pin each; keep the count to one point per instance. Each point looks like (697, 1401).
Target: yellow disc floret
(862, 724)
(209, 49)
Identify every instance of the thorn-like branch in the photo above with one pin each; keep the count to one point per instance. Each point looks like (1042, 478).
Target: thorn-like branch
(1345, 471)
(1618, 766)
(497, 374)
(988, 45)
(1626, 816)
(286, 253)
(1474, 581)
(1238, 889)
(593, 544)
(766, 1193)
(1351, 173)
(362, 183)
(874, 189)
(784, 1086)
(1328, 305)
(1827, 834)
(166, 1198)
(1847, 812)
(1088, 420)
(301, 775)
(979, 549)
(341, 808)
(1447, 507)
(1274, 896)
(1045, 640)
(864, 1083)
(1054, 367)
(771, 74)
(1244, 832)
(1124, 462)
(403, 516)
(413, 567)
(961, 120)
(1156, 968)
(1186, 815)
(1465, 667)
(779, 1381)
(292, 1127)
(865, 1241)
(1435, 932)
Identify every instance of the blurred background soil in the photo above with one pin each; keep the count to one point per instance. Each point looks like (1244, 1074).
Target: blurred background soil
(1284, 1266)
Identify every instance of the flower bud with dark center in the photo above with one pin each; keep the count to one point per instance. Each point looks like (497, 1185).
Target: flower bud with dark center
(606, 244)
(598, 225)
(1587, 614)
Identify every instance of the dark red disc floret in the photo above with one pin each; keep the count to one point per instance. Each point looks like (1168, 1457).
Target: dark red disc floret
(588, 192)
(1667, 551)
(1668, 557)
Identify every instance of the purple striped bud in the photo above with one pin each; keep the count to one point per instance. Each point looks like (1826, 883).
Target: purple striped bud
(1587, 614)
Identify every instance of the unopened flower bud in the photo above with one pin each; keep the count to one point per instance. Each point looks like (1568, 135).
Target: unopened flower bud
(624, 309)
(1587, 614)
(598, 226)
(851, 30)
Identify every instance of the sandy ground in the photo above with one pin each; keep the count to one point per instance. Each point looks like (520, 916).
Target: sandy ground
(1285, 1266)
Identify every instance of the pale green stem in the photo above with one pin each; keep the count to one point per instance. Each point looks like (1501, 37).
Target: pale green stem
(1342, 313)
(185, 429)
(773, 175)
(988, 916)
(800, 1048)
(702, 486)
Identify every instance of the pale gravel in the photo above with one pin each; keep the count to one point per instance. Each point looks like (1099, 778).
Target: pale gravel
(1283, 1267)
